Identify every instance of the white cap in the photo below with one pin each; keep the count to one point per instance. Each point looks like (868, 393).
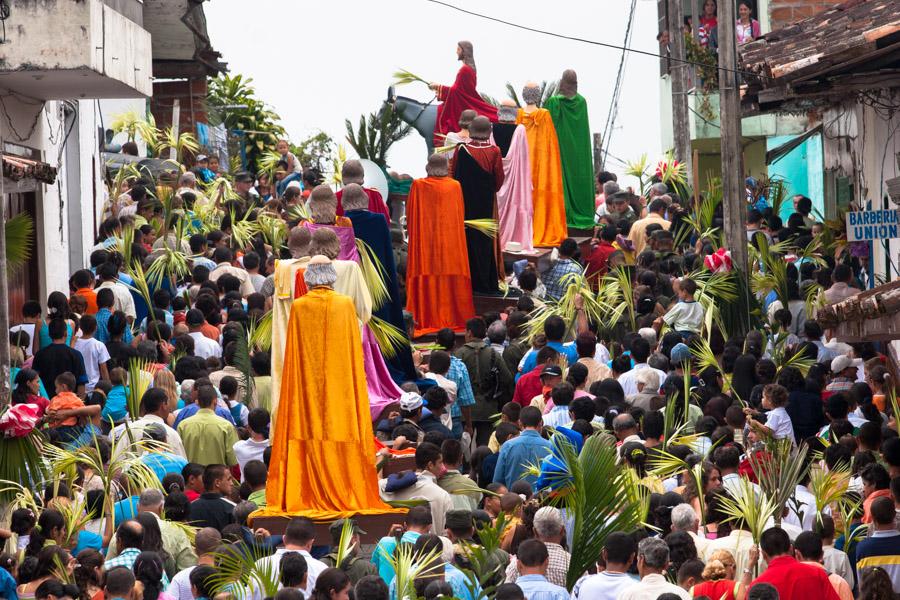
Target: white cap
(410, 401)
(294, 184)
(842, 362)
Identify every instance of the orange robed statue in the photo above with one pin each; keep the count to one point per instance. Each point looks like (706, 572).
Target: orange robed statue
(548, 197)
(438, 282)
(323, 456)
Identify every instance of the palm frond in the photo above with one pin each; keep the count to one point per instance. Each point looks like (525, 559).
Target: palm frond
(779, 468)
(345, 545)
(139, 381)
(19, 240)
(171, 264)
(374, 274)
(404, 77)
(242, 572)
(748, 509)
(410, 565)
(75, 518)
(242, 363)
(261, 333)
(828, 486)
(488, 227)
(298, 212)
(594, 491)
(22, 467)
(390, 339)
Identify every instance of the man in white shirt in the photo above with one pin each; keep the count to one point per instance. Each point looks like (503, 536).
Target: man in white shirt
(684, 518)
(203, 346)
(429, 465)
(255, 446)
(562, 396)
(109, 277)
(618, 554)
(298, 537)
(155, 405)
(640, 352)
(652, 561)
(223, 258)
(206, 542)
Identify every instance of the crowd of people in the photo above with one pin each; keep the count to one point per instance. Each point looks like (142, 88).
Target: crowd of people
(170, 372)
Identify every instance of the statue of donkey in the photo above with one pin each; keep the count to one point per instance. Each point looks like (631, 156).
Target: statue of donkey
(420, 116)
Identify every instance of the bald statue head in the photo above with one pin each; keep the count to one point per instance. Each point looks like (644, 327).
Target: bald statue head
(438, 166)
(508, 111)
(323, 205)
(354, 197)
(466, 117)
(568, 84)
(480, 128)
(531, 93)
(325, 242)
(352, 172)
(298, 242)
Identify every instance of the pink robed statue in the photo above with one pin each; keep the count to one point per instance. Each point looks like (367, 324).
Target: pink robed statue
(514, 203)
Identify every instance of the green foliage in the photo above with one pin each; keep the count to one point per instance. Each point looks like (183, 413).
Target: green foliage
(779, 469)
(485, 572)
(548, 88)
(376, 133)
(597, 493)
(241, 572)
(22, 467)
(317, 151)
(19, 240)
(232, 101)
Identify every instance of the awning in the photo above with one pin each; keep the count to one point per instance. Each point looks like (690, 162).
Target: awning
(16, 168)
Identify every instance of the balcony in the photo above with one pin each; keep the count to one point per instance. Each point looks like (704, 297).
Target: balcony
(84, 49)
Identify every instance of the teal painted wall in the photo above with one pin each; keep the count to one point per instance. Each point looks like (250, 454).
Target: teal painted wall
(803, 170)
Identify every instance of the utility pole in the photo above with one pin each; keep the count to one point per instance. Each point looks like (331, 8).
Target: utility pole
(4, 299)
(734, 203)
(598, 153)
(679, 76)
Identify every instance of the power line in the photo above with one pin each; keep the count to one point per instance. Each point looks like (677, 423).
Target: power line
(617, 90)
(592, 42)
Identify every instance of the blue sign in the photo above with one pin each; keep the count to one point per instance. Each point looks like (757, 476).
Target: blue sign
(865, 225)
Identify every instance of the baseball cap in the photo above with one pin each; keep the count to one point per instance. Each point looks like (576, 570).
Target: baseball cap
(244, 177)
(842, 362)
(410, 401)
(335, 529)
(551, 371)
(458, 518)
(202, 157)
(680, 353)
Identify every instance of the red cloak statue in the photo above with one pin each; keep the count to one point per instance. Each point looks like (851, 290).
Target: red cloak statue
(458, 97)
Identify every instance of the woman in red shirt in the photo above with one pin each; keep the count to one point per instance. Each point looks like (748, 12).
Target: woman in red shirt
(719, 577)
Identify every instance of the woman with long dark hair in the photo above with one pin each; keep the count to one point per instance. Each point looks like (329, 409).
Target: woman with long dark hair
(42, 567)
(89, 574)
(148, 569)
(57, 308)
(152, 541)
(51, 527)
(331, 584)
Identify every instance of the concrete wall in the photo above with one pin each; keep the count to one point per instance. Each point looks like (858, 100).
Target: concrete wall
(63, 49)
(66, 210)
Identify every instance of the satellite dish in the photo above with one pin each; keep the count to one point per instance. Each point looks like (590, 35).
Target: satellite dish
(375, 177)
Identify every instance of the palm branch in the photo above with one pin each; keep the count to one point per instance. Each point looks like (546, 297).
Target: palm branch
(75, 518)
(410, 565)
(374, 274)
(390, 339)
(171, 264)
(488, 227)
(298, 212)
(19, 240)
(242, 572)
(139, 381)
(243, 364)
(267, 163)
(597, 307)
(242, 231)
(22, 467)
(828, 486)
(181, 143)
(485, 573)
(260, 333)
(404, 77)
(273, 230)
(220, 191)
(798, 361)
(594, 490)
(779, 468)
(748, 509)
(638, 170)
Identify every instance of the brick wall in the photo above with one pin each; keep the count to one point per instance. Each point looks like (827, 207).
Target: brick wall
(785, 12)
(191, 94)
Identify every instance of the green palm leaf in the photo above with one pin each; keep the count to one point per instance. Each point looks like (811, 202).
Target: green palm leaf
(22, 467)
(19, 240)
(374, 274)
(779, 468)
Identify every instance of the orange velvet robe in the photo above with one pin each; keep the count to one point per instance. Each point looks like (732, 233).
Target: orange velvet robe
(323, 460)
(438, 282)
(546, 175)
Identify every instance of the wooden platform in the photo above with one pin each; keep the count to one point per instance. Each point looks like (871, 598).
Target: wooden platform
(375, 526)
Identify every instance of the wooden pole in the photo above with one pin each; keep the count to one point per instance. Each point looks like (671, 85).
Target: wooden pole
(734, 203)
(4, 300)
(679, 71)
(598, 153)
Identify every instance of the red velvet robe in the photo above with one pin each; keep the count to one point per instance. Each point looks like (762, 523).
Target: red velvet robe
(460, 96)
(376, 203)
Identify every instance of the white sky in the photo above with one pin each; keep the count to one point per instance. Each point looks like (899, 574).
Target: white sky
(318, 62)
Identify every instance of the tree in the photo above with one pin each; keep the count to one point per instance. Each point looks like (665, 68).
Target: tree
(376, 133)
(317, 151)
(233, 102)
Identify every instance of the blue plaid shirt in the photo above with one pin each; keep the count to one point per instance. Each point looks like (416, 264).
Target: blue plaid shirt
(536, 587)
(459, 375)
(102, 333)
(553, 278)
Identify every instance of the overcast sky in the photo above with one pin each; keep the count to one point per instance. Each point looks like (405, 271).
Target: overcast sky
(319, 62)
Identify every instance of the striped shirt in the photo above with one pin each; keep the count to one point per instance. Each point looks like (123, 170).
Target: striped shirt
(881, 549)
